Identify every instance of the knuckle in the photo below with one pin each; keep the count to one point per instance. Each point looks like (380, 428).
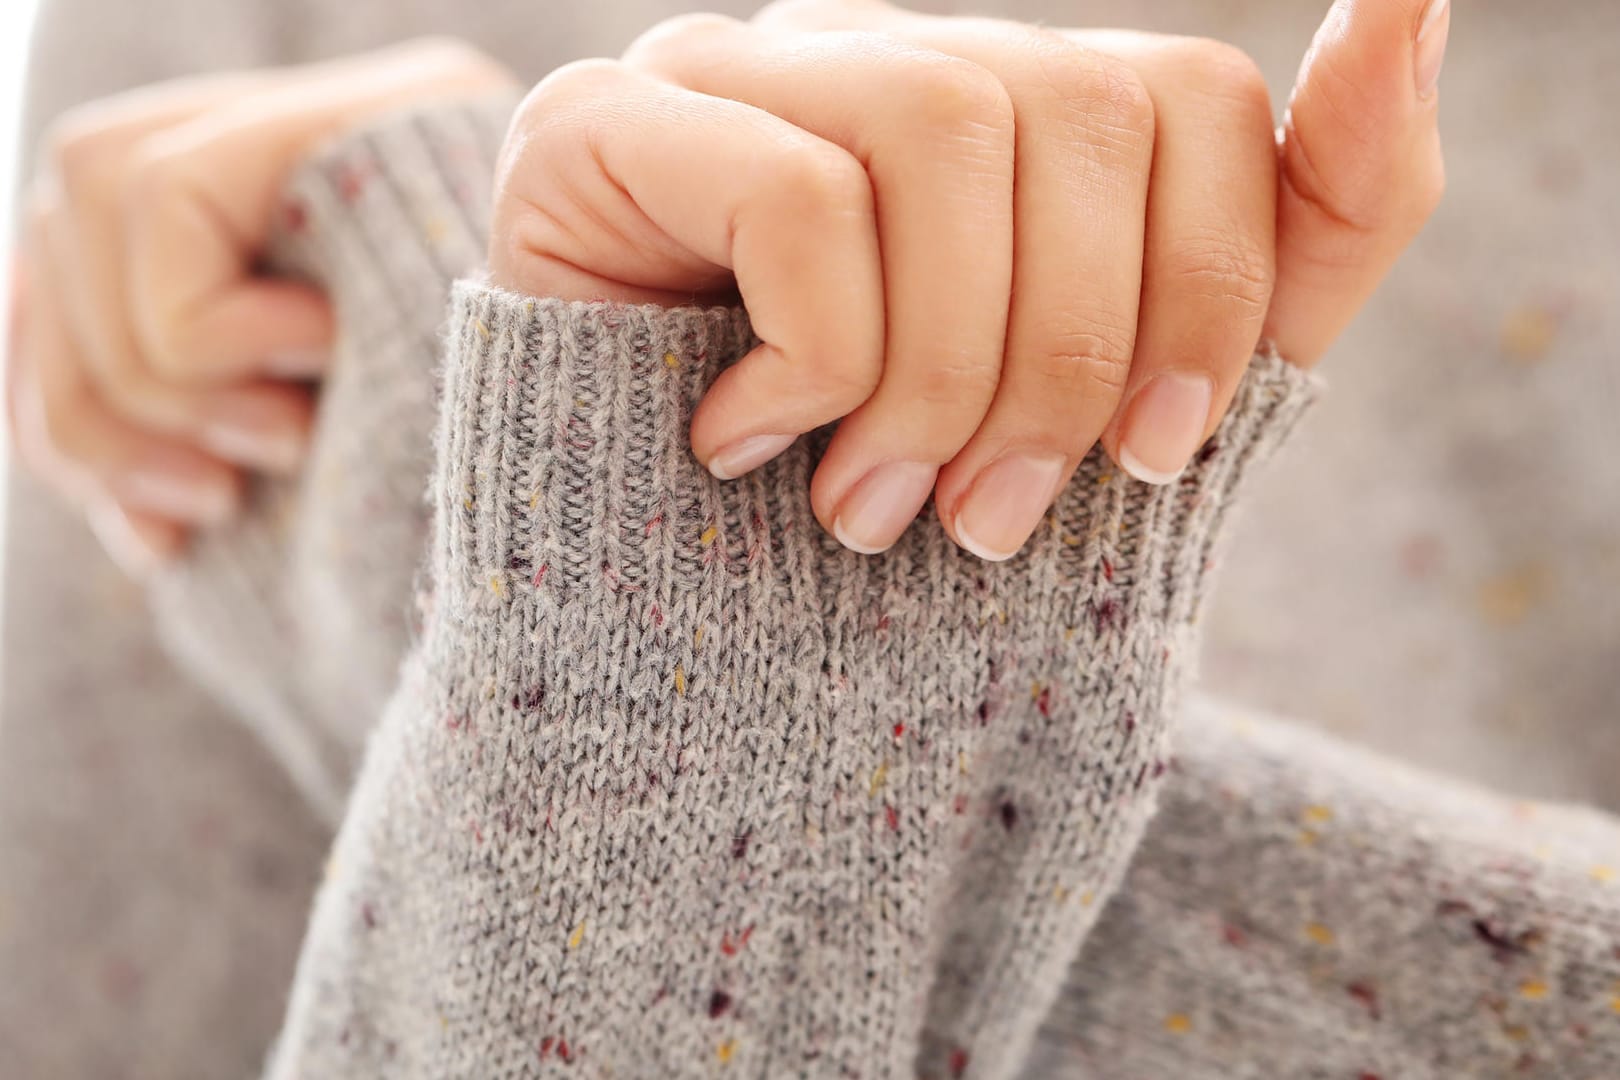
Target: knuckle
(154, 182)
(1094, 359)
(1222, 70)
(1227, 270)
(1346, 203)
(575, 80)
(1098, 95)
(553, 116)
(956, 383)
(845, 381)
(78, 150)
(679, 34)
(949, 96)
(822, 179)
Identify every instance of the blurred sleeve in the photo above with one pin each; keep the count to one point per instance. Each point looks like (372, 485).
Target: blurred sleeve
(1302, 907)
(155, 862)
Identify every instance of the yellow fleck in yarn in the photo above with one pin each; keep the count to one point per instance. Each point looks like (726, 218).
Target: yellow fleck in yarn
(879, 776)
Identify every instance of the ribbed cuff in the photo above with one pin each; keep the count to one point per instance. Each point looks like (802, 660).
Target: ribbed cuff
(565, 456)
(573, 521)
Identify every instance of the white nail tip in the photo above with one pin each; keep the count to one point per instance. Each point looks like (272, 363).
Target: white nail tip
(981, 550)
(853, 545)
(281, 453)
(1133, 465)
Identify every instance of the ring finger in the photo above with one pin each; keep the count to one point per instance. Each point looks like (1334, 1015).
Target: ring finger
(1209, 261)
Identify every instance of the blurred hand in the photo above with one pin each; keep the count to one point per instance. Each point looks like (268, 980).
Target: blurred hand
(984, 246)
(152, 364)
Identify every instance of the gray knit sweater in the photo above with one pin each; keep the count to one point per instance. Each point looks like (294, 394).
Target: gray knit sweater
(670, 784)
(671, 780)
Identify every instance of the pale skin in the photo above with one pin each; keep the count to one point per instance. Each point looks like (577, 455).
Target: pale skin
(982, 247)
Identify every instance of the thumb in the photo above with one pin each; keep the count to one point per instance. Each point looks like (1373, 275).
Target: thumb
(1360, 164)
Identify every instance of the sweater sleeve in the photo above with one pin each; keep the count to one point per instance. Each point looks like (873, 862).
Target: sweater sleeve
(672, 781)
(296, 616)
(1304, 908)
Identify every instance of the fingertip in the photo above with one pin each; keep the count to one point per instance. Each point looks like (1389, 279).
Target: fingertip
(745, 455)
(260, 325)
(876, 511)
(140, 544)
(264, 426)
(178, 489)
(758, 406)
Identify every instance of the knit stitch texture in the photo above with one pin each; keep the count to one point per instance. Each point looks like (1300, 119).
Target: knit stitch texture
(673, 785)
(692, 783)
(697, 785)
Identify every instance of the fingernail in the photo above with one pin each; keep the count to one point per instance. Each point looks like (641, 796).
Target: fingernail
(299, 363)
(186, 498)
(253, 429)
(1430, 52)
(742, 456)
(127, 545)
(1165, 425)
(277, 451)
(886, 500)
(1007, 501)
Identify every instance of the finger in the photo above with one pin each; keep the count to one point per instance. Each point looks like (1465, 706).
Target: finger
(137, 541)
(16, 302)
(1361, 164)
(935, 134)
(90, 454)
(1209, 257)
(257, 426)
(1084, 148)
(201, 203)
(617, 184)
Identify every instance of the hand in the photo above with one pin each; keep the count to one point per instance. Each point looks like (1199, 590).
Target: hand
(984, 246)
(153, 364)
